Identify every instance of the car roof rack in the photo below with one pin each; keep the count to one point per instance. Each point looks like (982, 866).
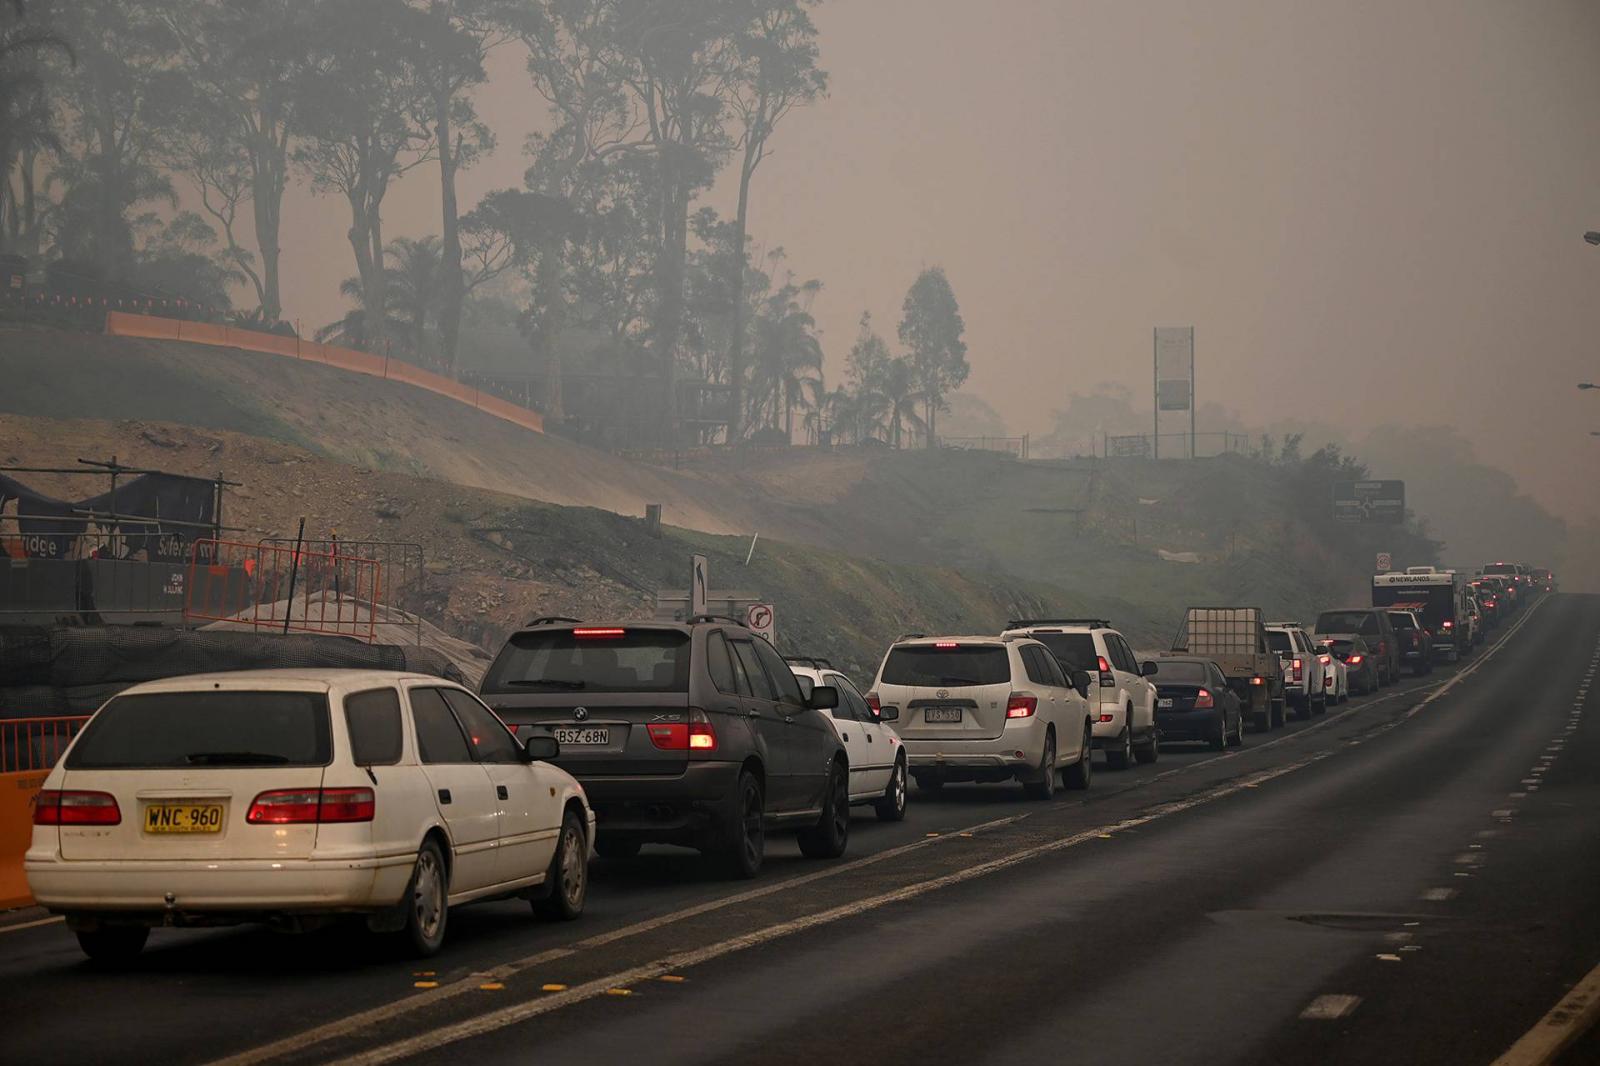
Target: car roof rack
(1027, 623)
(815, 662)
(553, 619)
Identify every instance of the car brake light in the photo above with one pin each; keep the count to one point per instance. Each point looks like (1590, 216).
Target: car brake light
(945, 645)
(599, 632)
(875, 705)
(1299, 669)
(1448, 625)
(1354, 660)
(1258, 681)
(64, 807)
(1324, 659)
(1107, 717)
(696, 734)
(1021, 706)
(1203, 699)
(311, 806)
(1107, 680)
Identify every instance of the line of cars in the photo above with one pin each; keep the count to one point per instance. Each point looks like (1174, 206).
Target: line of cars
(300, 797)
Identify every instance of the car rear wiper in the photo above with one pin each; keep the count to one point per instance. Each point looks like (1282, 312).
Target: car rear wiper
(234, 758)
(548, 682)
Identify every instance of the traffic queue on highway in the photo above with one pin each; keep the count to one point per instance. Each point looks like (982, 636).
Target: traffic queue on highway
(305, 797)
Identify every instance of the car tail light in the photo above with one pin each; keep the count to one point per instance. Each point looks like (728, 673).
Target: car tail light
(1107, 717)
(1299, 669)
(875, 705)
(1203, 700)
(312, 806)
(1354, 660)
(1021, 705)
(1448, 625)
(1324, 659)
(1107, 679)
(697, 734)
(69, 807)
(599, 633)
(1258, 680)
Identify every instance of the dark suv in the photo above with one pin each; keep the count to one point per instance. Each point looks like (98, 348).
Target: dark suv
(1372, 623)
(692, 733)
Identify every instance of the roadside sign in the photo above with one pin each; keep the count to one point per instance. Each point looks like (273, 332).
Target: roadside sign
(699, 584)
(1370, 501)
(758, 618)
(1385, 562)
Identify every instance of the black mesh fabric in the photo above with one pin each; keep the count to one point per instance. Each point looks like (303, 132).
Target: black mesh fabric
(72, 670)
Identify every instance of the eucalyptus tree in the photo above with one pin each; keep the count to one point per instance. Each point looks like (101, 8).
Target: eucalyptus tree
(27, 122)
(931, 331)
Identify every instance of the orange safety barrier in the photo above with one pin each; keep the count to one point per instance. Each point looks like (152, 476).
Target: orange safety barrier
(125, 324)
(28, 748)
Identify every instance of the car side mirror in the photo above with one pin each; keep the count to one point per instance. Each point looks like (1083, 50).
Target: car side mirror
(890, 713)
(541, 747)
(1081, 682)
(1147, 668)
(823, 698)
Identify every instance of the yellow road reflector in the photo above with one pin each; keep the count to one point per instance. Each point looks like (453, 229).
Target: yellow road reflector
(1389, 958)
(425, 984)
(553, 988)
(491, 986)
(1105, 836)
(671, 979)
(619, 991)
(933, 834)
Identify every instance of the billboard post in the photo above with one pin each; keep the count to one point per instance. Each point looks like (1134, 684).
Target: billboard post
(1174, 378)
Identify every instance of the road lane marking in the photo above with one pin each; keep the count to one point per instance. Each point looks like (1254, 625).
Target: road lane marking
(1566, 1022)
(1327, 1008)
(1439, 895)
(521, 1012)
(19, 926)
(355, 1023)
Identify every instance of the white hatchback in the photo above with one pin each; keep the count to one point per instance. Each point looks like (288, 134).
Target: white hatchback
(294, 796)
(877, 758)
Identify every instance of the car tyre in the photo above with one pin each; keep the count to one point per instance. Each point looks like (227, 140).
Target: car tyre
(891, 807)
(1121, 756)
(1080, 774)
(744, 829)
(1238, 731)
(1149, 751)
(1220, 741)
(114, 945)
(828, 838)
(1043, 784)
(568, 876)
(427, 902)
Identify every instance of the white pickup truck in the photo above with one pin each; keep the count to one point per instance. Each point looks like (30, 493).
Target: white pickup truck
(1303, 687)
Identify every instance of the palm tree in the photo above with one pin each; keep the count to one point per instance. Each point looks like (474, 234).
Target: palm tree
(416, 274)
(818, 404)
(902, 398)
(788, 353)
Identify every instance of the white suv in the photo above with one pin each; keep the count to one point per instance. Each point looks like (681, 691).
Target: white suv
(985, 709)
(1304, 682)
(1125, 725)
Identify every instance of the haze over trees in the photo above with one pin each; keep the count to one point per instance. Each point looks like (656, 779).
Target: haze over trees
(148, 148)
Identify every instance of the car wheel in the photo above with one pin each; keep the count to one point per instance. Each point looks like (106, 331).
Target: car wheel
(1220, 741)
(1321, 706)
(1149, 751)
(1238, 731)
(1081, 773)
(1121, 756)
(1043, 786)
(827, 839)
(892, 807)
(427, 902)
(114, 944)
(615, 848)
(568, 876)
(744, 829)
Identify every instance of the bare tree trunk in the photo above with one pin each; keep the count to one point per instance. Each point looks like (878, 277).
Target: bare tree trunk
(736, 343)
(269, 163)
(450, 230)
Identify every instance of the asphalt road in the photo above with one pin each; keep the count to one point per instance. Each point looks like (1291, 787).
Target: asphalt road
(1409, 878)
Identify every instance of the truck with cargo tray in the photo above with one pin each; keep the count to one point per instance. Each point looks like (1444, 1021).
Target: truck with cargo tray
(1439, 599)
(1235, 638)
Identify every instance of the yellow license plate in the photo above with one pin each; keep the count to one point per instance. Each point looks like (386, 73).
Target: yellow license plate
(183, 818)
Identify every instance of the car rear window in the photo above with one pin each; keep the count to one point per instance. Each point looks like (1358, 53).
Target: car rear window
(1074, 648)
(1500, 568)
(629, 660)
(1363, 622)
(1401, 620)
(171, 730)
(1180, 673)
(1279, 641)
(926, 665)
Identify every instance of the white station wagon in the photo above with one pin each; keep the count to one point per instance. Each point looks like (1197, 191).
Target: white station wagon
(294, 796)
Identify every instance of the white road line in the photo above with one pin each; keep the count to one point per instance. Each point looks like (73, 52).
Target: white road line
(1566, 1022)
(1327, 1008)
(29, 925)
(520, 1012)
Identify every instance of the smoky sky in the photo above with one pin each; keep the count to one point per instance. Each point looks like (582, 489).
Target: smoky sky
(1371, 211)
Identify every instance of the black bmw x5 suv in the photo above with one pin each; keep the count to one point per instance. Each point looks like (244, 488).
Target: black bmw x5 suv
(692, 733)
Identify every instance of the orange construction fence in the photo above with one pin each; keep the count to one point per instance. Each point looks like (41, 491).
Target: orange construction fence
(123, 324)
(28, 748)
